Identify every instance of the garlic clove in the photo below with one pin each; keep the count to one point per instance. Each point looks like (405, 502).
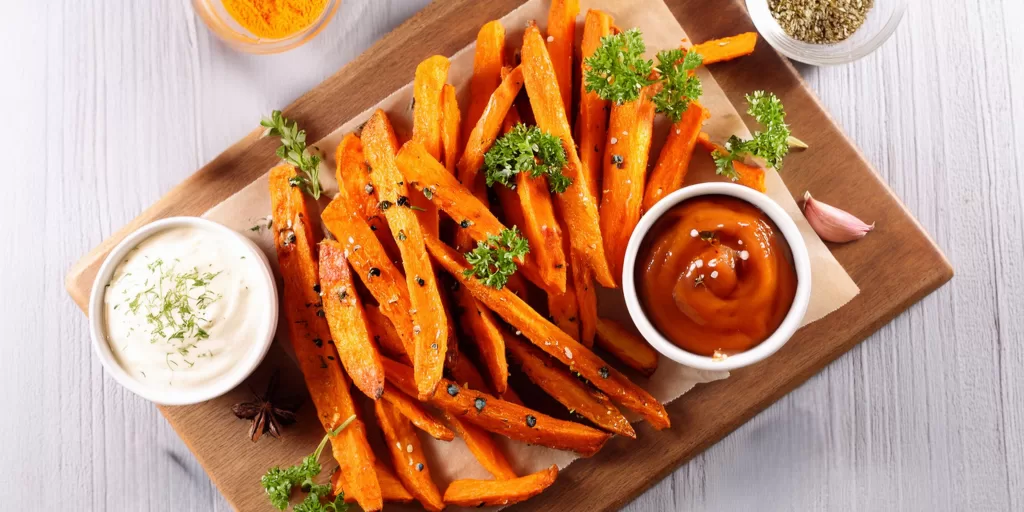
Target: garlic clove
(833, 224)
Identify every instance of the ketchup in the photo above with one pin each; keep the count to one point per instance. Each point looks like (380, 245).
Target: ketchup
(715, 277)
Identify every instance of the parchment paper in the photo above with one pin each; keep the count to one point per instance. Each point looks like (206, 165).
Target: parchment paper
(832, 286)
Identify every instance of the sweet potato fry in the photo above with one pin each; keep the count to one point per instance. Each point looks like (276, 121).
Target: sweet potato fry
(487, 128)
(563, 386)
(430, 326)
(328, 387)
(385, 335)
(627, 347)
(425, 173)
(428, 86)
(586, 297)
(407, 455)
(478, 321)
(749, 175)
(552, 340)
(450, 130)
(483, 447)
(370, 262)
(391, 489)
(561, 41)
(353, 177)
(412, 410)
(592, 121)
(488, 60)
(727, 48)
(542, 229)
(477, 493)
(501, 417)
(674, 161)
(564, 310)
(630, 130)
(344, 312)
(577, 205)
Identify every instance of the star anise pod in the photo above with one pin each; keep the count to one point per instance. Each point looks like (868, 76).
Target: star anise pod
(264, 415)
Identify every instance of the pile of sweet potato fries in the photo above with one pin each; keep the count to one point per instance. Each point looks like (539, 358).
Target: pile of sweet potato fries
(385, 299)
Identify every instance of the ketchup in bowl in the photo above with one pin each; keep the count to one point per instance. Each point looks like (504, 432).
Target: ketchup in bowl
(714, 276)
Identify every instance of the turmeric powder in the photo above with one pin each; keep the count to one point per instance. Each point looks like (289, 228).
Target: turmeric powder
(275, 19)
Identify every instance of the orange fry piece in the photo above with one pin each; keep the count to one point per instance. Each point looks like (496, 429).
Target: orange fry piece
(561, 39)
(476, 493)
(586, 296)
(328, 387)
(391, 489)
(430, 325)
(428, 87)
(483, 447)
(542, 229)
(749, 175)
(502, 417)
(486, 335)
(563, 386)
(385, 335)
(630, 130)
(353, 177)
(450, 120)
(486, 130)
(674, 161)
(577, 205)
(727, 48)
(551, 339)
(564, 310)
(626, 346)
(370, 262)
(488, 60)
(412, 410)
(344, 312)
(592, 121)
(407, 455)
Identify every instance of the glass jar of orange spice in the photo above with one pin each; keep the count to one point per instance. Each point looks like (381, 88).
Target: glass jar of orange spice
(266, 26)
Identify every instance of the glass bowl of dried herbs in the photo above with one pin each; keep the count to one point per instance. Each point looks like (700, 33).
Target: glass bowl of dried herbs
(825, 32)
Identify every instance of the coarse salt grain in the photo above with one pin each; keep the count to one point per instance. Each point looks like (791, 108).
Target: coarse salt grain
(408, 448)
(614, 140)
(714, 274)
(694, 233)
(713, 263)
(699, 263)
(740, 242)
(551, 39)
(744, 255)
(568, 353)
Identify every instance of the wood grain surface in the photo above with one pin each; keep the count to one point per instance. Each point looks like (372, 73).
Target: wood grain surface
(126, 99)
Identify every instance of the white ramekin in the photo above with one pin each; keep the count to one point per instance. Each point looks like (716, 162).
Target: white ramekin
(216, 387)
(801, 262)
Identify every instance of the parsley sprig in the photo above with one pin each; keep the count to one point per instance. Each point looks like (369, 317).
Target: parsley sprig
(293, 150)
(526, 149)
(770, 144)
(618, 71)
(679, 85)
(279, 482)
(494, 261)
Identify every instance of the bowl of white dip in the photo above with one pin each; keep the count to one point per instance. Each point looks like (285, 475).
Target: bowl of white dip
(183, 310)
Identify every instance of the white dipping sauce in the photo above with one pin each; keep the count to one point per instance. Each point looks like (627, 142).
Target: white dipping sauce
(184, 307)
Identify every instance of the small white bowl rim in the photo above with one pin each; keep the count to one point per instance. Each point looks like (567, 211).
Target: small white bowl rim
(218, 386)
(801, 262)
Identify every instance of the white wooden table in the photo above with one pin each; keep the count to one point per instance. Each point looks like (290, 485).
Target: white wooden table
(110, 103)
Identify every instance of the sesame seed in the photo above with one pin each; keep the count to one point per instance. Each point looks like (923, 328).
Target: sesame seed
(408, 448)
(678, 131)
(624, 133)
(568, 353)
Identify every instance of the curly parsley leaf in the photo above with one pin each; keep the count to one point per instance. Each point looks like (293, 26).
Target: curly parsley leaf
(494, 261)
(769, 144)
(526, 149)
(679, 85)
(617, 70)
(278, 482)
(293, 150)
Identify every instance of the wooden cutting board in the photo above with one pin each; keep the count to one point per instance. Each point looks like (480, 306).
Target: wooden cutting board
(895, 266)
